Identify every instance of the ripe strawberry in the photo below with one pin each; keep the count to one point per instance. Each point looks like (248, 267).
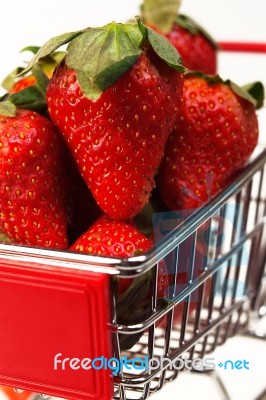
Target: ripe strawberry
(33, 180)
(119, 143)
(194, 44)
(215, 133)
(196, 47)
(112, 238)
(23, 84)
(120, 239)
(116, 114)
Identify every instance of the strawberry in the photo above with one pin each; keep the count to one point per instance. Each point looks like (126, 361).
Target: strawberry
(215, 133)
(120, 157)
(23, 84)
(194, 44)
(33, 179)
(196, 47)
(112, 238)
(116, 114)
(121, 239)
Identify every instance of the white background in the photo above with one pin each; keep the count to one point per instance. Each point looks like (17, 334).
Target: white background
(31, 22)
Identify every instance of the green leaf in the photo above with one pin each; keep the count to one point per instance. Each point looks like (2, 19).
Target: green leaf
(193, 27)
(102, 55)
(31, 98)
(241, 92)
(165, 50)
(10, 79)
(42, 80)
(31, 49)
(90, 89)
(160, 13)
(56, 57)
(53, 58)
(49, 47)
(7, 109)
(256, 90)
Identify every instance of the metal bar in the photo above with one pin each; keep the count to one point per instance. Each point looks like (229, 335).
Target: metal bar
(132, 266)
(243, 47)
(182, 296)
(190, 280)
(259, 195)
(149, 377)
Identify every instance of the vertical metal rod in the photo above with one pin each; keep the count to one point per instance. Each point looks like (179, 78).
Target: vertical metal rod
(151, 330)
(222, 214)
(229, 263)
(242, 224)
(201, 292)
(170, 314)
(115, 337)
(191, 265)
(259, 195)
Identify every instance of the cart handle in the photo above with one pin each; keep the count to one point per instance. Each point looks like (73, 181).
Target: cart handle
(249, 47)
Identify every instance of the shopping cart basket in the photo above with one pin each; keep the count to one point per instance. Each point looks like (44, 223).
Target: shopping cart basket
(58, 308)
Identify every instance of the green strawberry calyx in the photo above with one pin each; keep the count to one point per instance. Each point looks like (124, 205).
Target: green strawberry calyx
(7, 108)
(47, 64)
(100, 56)
(253, 92)
(190, 25)
(256, 91)
(160, 13)
(31, 98)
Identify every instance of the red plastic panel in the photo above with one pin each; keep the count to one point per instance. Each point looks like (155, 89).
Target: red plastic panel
(43, 313)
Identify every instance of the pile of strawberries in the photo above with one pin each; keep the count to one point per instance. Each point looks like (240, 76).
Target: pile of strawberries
(82, 152)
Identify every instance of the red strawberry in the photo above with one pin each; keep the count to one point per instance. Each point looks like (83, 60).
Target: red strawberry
(116, 113)
(215, 133)
(118, 239)
(112, 238)
(196, 47)
(33, 180)
(119, 143)
(23, 84)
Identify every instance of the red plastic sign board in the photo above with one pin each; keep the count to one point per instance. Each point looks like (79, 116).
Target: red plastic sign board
(44, 313)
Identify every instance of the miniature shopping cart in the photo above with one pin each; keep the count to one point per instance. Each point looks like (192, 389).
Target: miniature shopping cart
(59, 311)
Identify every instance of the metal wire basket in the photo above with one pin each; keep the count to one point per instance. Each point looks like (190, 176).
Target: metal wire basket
(208, 309)
(218, 249)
